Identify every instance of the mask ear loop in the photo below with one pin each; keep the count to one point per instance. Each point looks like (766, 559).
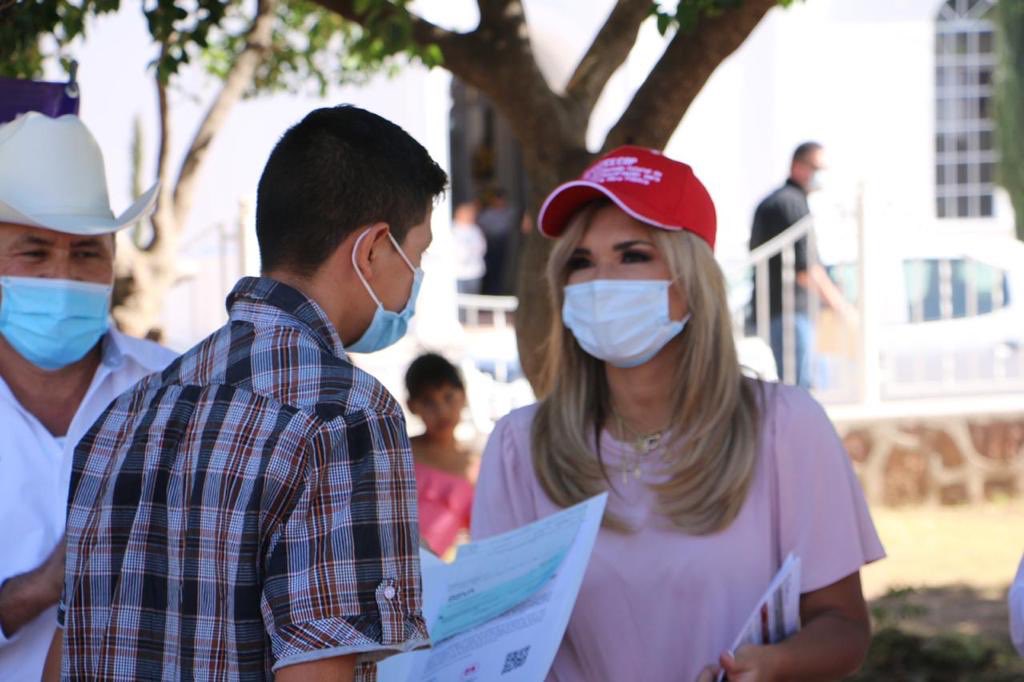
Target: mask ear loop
(359, 272)
(401, 252)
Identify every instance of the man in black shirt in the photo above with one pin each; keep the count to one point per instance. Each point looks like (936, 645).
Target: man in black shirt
(780, 210)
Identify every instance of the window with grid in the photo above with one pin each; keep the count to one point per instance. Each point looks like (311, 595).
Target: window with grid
(965, 152)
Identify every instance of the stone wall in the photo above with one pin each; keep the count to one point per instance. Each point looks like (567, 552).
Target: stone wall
(947, 460)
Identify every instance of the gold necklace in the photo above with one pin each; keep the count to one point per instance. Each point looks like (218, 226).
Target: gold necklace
(641, 444)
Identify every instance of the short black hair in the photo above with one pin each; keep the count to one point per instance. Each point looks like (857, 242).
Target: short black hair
(337, 170)
(805, 149)
(430, 370)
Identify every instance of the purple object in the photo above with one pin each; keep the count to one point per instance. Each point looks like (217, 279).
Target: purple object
(52, 99)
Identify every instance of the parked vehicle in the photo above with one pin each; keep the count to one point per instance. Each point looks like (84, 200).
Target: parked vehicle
(950, 313)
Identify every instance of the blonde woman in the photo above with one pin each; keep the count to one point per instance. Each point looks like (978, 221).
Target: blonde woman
(712, 477)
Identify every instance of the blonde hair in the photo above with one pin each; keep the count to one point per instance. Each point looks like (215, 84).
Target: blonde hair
(714, 431)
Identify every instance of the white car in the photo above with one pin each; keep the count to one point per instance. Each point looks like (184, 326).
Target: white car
(950, 313)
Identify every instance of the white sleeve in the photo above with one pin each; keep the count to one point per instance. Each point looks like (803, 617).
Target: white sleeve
(1016, 600)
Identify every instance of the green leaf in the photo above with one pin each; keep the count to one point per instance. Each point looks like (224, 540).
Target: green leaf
(432, 56)
(664, 23)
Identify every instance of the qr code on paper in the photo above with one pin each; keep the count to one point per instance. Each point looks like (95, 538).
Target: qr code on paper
(515, 659)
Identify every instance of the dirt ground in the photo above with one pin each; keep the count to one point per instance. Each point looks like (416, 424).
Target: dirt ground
(938, 600)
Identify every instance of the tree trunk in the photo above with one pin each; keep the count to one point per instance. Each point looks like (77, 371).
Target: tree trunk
(146, 269)
(147, 272)
(533, 316)
(143, 280)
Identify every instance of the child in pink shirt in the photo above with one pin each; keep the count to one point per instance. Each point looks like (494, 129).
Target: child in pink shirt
(445, 468)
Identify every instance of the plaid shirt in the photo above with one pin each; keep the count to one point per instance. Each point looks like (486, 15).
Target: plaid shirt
(250, 507)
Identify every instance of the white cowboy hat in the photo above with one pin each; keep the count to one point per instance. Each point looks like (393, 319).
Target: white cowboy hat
(52, 176)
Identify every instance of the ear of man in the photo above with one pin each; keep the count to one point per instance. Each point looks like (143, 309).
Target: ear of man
(369, 250)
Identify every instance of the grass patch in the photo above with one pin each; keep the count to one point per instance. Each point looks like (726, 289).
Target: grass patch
(939, 635)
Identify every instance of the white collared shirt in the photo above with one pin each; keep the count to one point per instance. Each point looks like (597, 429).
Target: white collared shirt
(35, 469)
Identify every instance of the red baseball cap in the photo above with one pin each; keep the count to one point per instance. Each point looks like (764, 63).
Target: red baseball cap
(644, 183)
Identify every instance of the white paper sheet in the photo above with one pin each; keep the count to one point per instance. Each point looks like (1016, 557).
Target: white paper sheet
(507, 602)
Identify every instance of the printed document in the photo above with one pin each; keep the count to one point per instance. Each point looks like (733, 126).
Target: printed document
(500, 610)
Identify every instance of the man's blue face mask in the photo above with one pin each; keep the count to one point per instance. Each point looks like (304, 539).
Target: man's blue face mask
(387, 327)
(53, 323)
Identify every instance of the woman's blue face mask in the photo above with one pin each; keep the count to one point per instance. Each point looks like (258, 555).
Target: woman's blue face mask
(387, 327)
(53, 323)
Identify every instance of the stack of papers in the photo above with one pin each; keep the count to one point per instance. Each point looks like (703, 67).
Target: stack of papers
(501, 609)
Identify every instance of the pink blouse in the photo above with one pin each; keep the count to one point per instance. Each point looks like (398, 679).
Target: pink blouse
(445, 501)
(659, 604)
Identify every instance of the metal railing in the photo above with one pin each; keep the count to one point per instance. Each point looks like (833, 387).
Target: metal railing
(477, 309)
(488, 320)
(784, 246)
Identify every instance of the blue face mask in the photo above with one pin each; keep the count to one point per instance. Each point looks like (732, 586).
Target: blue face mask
(387, 326)
(53, 322)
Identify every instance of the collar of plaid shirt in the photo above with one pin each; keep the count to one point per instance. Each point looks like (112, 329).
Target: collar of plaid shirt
(249, 299)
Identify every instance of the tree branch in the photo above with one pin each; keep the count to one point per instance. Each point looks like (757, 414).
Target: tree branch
(489, 58)
(239, 78)
(498, 12)
(684, 68)
(607, 53)
(504, 32)
(462, 51)
(163, 165)
(504, 67)
(423, 31)
(163, 214)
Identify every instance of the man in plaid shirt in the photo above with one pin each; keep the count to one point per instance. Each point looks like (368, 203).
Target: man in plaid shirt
(251, 511)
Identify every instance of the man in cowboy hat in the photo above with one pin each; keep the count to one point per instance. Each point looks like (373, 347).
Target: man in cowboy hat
(60, 361)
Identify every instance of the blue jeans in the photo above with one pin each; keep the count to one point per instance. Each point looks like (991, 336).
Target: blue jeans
(804, 336)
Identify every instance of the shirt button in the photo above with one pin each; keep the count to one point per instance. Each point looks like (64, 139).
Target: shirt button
(389, 592)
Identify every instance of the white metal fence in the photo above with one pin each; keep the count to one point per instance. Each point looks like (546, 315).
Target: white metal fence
(489, 323)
